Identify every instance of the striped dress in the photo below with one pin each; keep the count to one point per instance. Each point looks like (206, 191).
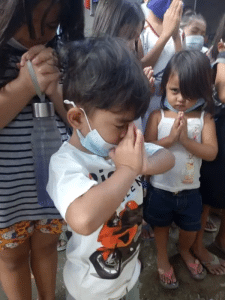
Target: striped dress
(18, 194)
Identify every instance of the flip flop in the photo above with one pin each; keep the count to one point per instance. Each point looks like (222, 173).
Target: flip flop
(193, 269)
(211, 264)
(168, 275)
(210, 225)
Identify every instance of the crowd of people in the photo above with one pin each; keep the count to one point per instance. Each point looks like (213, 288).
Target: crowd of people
(140, 110)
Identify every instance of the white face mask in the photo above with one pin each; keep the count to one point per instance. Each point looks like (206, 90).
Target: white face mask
(93, 141)
(194, 42)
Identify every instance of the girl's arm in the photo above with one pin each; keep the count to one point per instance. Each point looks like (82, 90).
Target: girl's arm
(39, 55)
(171, 23)
(15, 95)
(88, 212)
(208, 148)
(151, 133)
(220, 81)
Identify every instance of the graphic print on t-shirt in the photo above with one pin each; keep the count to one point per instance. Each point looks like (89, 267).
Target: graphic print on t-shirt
(119, 236)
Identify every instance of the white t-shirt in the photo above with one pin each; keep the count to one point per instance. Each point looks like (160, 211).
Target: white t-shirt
(104, 264)
(186, 172)
(148, 40)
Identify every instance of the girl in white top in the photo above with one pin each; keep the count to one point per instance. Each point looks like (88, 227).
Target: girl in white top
(159, 40)
(188, 131)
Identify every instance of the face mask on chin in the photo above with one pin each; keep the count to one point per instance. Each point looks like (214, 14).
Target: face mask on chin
(194, 42)
(93, 141)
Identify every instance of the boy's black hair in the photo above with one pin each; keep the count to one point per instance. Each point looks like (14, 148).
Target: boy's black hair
(195, 76)
(112, 15)
(220, 34)
(15, 13)
(101, 73)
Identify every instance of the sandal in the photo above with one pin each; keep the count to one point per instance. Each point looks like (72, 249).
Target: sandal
(210, 225)
(62, 243)
(193, 269)
(168, 275)
(215, 263)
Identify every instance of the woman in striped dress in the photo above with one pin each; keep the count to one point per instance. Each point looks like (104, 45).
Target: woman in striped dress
(28, 231)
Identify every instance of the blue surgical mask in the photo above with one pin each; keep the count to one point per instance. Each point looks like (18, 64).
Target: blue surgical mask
(194, 42)
(93, 141)
(200, 102)
(159, 7)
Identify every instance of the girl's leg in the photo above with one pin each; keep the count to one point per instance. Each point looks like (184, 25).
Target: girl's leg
(15, 272)
(220, 238)
(161, 239)
(44, 259)
(186, 240)
(198, 247)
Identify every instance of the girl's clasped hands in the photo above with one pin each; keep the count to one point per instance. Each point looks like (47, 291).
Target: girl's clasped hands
(179, 129)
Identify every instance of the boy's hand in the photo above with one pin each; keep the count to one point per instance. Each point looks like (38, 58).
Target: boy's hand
(176, 128)
(129, 152)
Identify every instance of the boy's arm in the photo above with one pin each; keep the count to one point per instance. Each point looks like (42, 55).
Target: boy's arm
(88, 212)
(208, 148)
(161, 161)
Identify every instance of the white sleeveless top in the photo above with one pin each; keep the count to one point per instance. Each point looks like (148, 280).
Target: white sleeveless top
(148, 40)
(186, 172)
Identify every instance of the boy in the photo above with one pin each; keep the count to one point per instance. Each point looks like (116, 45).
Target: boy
(94, 178)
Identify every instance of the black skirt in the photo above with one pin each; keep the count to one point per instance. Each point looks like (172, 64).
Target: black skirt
(213, 173)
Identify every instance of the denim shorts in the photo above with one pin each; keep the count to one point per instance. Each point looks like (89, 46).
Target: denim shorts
(161, 208)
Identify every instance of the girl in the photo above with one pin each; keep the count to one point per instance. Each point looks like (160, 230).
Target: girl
(159, 40)
(212, 173)
(194, 30)
(182, 126)
(120, 18)
(29, 232)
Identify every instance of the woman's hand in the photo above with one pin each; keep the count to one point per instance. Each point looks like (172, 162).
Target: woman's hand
(171, 19)
(148, 71)
(39, 54)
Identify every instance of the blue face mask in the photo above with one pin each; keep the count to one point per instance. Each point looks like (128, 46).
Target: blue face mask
(200, 102)
(93, 141)
(159, 7)
(194, 42)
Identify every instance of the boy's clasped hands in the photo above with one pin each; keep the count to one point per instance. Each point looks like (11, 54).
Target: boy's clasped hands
(130, 151)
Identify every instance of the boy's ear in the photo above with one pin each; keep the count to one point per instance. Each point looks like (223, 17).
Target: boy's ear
(221, 46)
(75, 118)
